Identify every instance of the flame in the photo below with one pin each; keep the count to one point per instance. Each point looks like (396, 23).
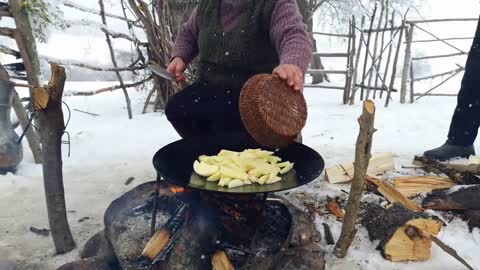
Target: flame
(231, 211)
(177, 189)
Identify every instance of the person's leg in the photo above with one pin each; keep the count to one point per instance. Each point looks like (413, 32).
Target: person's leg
(466, 118)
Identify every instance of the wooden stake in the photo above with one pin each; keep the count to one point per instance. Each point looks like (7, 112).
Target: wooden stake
(394, 69)
(372, 20)
(374, 67)
(379, 66)
(406, 63)
(362, 157)
(390, 49)
(52, 127)
(357, 61)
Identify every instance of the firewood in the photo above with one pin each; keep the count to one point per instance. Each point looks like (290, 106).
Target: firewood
(220, 261)
(461, 178)
(413, 232)
(378, 164)
(473, 165)
(362, 157)
(328, 234)
(393, 195)
(388, 226)
(473, 218)
(412, 185)
(456, 198)
(334, 208)
(158, 241)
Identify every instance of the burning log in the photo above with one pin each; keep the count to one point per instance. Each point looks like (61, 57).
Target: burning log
(456, 198)
(362, 157)
(393, 195)
(220, 261)
(388, 226)
(461, 178)
(412, 185)
(156, 244)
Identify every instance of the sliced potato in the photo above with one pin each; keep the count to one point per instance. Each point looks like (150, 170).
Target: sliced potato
(274, 180)
(247, 182)
(262, 180)
(224, 181)
(235, 183)
(215, 177)
(204, 169)
(286, 168)
(233, 173)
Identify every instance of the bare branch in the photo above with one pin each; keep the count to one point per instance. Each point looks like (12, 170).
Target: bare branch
(93, 67)
(107, 89)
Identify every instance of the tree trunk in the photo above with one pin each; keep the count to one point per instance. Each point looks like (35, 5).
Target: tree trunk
(388, 226)
(51, 129)
(28, 51)
(362, 157)
(455, 198)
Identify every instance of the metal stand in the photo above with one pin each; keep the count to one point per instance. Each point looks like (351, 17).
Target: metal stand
(155, 205)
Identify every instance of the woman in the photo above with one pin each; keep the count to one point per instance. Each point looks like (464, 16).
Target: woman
(234, 40)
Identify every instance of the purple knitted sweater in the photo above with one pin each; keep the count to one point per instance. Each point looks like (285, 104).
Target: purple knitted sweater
(287, 33)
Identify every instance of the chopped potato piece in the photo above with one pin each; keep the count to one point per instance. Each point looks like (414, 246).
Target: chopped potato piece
(215, 177)
(204, 169)
(235, 183)
(286, 168)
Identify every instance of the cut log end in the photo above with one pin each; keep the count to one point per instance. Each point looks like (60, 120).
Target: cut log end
(401, 248)
(369, 106)
(156, 244)
(389, 226)
(220, 261)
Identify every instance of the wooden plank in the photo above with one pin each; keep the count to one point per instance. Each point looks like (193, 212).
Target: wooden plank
(413, 185)
(330, 34)
(437, 56)
(393, 195)
(379, 164)
(331, 54)
(322, 71)
(444, 20)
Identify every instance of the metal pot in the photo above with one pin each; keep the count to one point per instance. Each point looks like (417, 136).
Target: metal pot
(11, 151)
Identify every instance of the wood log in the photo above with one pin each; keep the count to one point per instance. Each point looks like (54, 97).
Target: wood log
(158, 241)
(362, 157)
(388, 226)
(472, 165)
(328, 234)
(412, 185)
(461, 178)
(220, 261)
(378, 164)
(393, 195)
(52, 127)
(461, 197)
(473, 219)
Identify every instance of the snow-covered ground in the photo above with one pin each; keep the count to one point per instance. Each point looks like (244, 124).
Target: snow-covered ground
(108, 149)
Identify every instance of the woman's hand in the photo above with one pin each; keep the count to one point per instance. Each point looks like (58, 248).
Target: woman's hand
(291, 74)
(176, 68)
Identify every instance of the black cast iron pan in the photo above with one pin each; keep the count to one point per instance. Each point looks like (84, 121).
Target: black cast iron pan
(174, 163)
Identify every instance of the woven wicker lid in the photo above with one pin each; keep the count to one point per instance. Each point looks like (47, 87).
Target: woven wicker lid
(271, 112)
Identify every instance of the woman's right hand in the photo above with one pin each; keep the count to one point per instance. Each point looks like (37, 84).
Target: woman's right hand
(177, 68)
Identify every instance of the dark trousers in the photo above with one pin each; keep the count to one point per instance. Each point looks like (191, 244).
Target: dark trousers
(466, 118)
(202, 109)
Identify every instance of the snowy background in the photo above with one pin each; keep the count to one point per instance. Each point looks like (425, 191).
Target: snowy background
(108, 149)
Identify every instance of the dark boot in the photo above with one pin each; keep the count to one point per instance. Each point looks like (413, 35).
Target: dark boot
(448, 151)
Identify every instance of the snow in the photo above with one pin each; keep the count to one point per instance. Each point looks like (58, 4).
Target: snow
(108, 149)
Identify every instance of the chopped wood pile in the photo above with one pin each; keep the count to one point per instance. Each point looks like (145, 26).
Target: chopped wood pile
(405, 230)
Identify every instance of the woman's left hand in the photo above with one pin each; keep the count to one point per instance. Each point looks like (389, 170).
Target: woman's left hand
(291, 74)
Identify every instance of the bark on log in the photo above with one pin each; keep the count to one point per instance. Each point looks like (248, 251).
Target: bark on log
(455, 198)
(473, 218)
(51, 129)
(461, 178)
(388, 226)
(362, 157)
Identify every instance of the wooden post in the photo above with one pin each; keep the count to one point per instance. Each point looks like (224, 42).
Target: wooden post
(394, 69)
(350, 52)
(51, 130)
(368, 50)
(390, 49)
(407, 62)
(374, 67)
(412, 83)
(379, 66)
(357, 61)
(362, 157)
(28, 51)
